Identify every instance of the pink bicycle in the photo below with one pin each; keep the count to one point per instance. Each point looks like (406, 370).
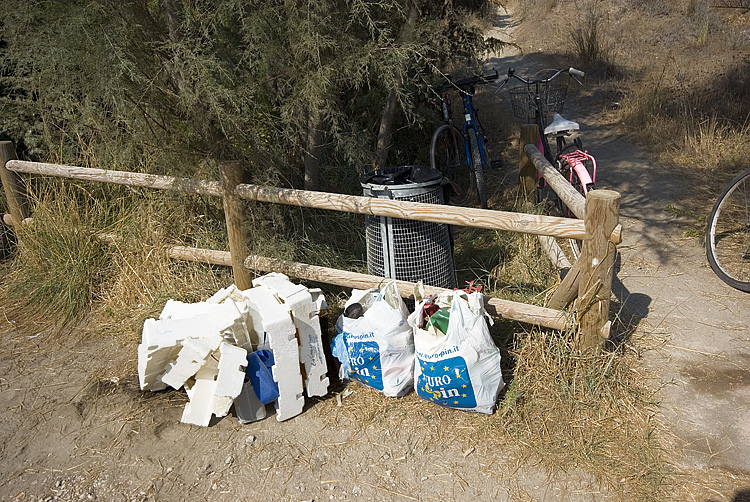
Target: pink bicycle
(538, 101)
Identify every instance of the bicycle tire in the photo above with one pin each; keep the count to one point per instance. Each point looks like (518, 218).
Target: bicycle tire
(477, 168)
(449, 157)
(728, 234)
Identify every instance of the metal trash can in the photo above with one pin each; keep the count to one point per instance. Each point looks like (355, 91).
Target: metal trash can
(405, 249)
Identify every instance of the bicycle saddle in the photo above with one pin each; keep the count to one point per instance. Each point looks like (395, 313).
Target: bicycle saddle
(560, 124)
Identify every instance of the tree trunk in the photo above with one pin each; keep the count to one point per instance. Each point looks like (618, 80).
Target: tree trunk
(313, 151)
(389, 111)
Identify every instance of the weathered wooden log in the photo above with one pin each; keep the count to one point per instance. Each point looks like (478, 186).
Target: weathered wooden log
(15, 193)
(522, 312)
(231, 176)
(597, 266)
(562, 187)
(554, 252)
(470, 217)
(155, 181)
(527, 174)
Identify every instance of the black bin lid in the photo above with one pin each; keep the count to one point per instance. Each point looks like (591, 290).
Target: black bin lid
(402, 175)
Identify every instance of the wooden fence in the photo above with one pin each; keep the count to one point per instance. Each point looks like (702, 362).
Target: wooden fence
(586, 287)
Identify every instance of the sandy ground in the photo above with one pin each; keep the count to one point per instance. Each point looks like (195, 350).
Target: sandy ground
(75, 425)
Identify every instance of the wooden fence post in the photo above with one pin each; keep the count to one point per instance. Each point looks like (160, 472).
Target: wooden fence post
(15, 193)
(231, 176)
(597, 263)
(527, 171)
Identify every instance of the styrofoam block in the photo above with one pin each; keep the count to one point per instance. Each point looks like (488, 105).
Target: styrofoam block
(233, 296)
(190, 359)
(240, 335)
(213, 317)
(148, 371)
(232, 293)
(231, 371)
(175, 309)
(247, 406)
(202, 394)
(304, 311)
(160, 343)
(274, 319)
(200, 408)
(221, 405)
(318, 299)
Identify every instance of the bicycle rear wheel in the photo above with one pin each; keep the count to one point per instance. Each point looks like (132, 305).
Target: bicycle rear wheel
(728, 234)
(477, 168)
(448, 155)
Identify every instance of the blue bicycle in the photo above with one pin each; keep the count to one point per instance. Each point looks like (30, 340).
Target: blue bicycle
(460, 154)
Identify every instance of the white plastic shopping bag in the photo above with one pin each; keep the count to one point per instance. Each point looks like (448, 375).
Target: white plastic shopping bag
(374, 342)
(457, 363)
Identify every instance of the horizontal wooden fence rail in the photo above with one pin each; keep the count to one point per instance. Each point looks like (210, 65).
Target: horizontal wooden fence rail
(606, 233)
(531, 314)
(468, 217)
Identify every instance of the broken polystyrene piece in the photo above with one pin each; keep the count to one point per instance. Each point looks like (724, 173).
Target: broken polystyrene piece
(202, 394)
(160, 344)
(190, 359)
(305, 313)
(318, 299)
(200, 408)
(248, 407)
(227, 318)
(232, 293)
(231, 373)
(240, 332)
(271, 317)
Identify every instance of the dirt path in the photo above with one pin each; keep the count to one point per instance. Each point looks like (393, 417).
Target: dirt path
(697, 326)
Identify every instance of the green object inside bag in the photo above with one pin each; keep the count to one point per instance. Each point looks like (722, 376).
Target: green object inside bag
(440, 320)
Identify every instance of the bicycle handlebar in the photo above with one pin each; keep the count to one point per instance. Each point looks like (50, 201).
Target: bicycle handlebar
(467, 83)
(574, 74)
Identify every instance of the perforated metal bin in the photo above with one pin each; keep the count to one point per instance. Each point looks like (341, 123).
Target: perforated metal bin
(405, 249)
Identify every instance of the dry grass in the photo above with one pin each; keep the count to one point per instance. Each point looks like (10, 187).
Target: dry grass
(562, 410)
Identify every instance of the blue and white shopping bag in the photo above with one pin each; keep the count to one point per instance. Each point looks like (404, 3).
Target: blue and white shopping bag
(374, 342)
(461, 367)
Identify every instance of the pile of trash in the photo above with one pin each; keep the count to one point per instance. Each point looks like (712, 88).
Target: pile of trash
(243, 348)
(251, 348)
(443, 349)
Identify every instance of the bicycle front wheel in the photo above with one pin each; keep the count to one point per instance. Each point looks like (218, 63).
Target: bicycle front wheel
(447, 155)
(477, 168)
(728, 234)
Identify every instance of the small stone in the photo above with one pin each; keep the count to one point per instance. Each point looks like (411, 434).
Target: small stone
(229, 460)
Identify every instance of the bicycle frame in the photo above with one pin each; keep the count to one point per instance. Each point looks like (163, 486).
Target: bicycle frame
(575, 160)
(471, 119)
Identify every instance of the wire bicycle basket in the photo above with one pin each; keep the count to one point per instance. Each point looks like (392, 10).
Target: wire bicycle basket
(551, 95)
